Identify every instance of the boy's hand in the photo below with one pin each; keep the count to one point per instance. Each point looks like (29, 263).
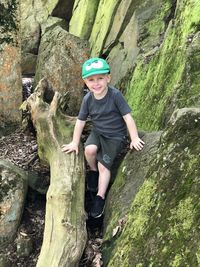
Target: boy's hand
(137, 143)
(70, 148)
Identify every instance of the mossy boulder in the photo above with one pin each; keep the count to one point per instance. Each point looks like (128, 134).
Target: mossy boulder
(130, 177)
(162, 225)
(167, 77)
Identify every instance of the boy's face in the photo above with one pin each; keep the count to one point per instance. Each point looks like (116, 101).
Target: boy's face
(98, 84)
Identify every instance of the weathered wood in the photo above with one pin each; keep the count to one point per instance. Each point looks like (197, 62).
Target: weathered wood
(65, 231)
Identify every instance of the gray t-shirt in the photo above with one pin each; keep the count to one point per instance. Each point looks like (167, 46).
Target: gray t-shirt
(106, 113)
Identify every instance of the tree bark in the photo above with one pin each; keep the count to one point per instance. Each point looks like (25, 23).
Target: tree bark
(65, 231)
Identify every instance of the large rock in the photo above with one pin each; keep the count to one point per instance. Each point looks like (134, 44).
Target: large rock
(130, 177)
(167, 76)
(33, 15)
(123, 42)
(10, 71)
(84, 13)
(104, 17)
(162, 225)
(120, 32)
(30, 29)
(14, 184)
(60, 62)
(28, 63)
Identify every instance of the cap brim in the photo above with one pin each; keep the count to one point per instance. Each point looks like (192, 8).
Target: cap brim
(95, 72)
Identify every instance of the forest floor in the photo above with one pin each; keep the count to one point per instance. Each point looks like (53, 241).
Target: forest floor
(20, 148)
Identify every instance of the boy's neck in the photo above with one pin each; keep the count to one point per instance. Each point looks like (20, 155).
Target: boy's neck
(98, 97)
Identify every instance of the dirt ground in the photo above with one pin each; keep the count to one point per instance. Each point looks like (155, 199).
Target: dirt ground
(20, 148)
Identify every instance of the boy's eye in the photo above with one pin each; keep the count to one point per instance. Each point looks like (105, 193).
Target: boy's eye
(90, 80)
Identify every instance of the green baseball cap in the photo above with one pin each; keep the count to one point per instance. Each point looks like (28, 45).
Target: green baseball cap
(94, 66)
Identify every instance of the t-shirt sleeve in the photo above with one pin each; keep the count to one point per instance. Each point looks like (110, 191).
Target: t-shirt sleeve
(83, 113)
(121, 104)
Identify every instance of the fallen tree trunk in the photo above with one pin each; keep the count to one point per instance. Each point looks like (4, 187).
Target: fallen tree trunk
(65, 231)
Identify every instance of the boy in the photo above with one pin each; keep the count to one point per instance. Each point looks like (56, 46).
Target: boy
(110, 117)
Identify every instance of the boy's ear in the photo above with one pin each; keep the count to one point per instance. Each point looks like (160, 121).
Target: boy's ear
(109, 77)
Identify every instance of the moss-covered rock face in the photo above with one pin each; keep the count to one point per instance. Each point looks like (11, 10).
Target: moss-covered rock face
(162, 227)
(121, 30)
(137, 26)
(167, 77)
(84, 13)
(130, 177)
(103, 21)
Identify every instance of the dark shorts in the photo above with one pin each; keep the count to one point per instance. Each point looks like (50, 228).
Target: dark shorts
(108, 148)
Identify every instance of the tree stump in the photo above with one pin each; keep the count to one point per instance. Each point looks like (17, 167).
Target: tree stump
(65, 230)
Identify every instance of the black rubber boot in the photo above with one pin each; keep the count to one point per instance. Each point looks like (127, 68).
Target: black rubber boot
(92, 181)
(97, 208)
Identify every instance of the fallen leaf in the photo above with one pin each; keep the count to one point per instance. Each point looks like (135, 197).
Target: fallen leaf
(115, 230)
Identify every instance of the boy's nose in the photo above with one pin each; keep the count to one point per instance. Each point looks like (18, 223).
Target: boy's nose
(96, 82)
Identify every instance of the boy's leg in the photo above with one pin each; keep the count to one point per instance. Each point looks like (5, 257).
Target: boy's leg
(105, 157)
(104, 179)
(99, 202)
(93, 175)
(90, 155)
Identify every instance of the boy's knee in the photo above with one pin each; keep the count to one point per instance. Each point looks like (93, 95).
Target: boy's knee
(90, 150)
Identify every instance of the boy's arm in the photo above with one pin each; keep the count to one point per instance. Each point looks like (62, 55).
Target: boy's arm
(73, 146)
(136, 142)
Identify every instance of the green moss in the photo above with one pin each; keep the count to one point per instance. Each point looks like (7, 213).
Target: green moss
(198, 255)
(178, 260)
(121, 178)
(168, 78)
(83, 18)
(154, 26)
(114, 211)
(141, 207)
(105, 14)
(138, 219)
(182, 218)
(8, 21)
(163, 223)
